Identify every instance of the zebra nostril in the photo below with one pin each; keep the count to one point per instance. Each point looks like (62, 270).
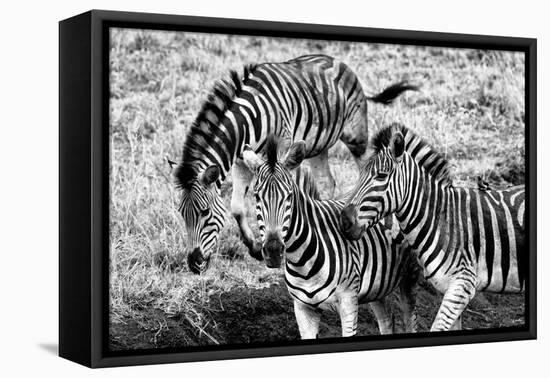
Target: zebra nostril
(274, 246)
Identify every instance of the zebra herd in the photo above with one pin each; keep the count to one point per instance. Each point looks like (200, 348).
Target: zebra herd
(337, 253)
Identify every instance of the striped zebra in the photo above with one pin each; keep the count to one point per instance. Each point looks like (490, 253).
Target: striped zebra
(466, 239)
(313, 98)
(323, 270)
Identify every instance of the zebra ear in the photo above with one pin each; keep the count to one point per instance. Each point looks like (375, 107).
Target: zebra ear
(210, 175)
(296, 154)
(251, 159)
(398, 147)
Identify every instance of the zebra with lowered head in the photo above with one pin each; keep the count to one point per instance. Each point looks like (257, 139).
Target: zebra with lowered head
(314, 98)
(466, 239)
(323, 270)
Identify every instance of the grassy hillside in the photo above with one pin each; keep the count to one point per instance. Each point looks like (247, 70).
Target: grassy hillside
(471, 107)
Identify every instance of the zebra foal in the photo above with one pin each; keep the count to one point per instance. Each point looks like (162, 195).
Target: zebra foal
(465, 239)
(323, 270)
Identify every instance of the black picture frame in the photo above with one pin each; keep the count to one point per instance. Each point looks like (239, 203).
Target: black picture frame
(84, 189)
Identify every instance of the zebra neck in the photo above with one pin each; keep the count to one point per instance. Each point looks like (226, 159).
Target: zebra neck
(220, 144)
(427, 213)
(299, 234)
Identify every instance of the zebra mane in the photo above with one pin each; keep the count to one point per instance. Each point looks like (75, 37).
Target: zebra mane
(271, 151)
(302, 175)
(305, 182)
(426, 156)
(184, 175)
(208, 120)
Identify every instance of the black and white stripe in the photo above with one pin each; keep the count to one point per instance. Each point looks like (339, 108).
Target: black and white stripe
(313, 98)
(466, 239)
(323, 270)
(203, 214)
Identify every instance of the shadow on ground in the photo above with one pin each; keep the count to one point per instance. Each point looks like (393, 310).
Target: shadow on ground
(51, 348)
(245, 315)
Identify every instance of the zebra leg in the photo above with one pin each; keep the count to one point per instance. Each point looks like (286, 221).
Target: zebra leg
(241, 182)
(456, 298)
(307, 319)
(457, 326)
(348, 309)
(407, 303)
(385, 322)
(409, 281)
(321, 172)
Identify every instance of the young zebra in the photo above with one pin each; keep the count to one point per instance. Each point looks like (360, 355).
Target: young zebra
(323, 270)
(313, 98)
(466, 240)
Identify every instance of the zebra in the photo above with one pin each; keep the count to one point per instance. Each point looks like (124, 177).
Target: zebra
(465, 239)
(323, 270)
(315, 98)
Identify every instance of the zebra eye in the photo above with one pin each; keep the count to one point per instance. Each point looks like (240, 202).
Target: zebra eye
(382, 175)
(205, 212)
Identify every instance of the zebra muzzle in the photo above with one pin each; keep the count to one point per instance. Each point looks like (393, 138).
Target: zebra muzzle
(273, 252)
(349, 223)
(197, 262)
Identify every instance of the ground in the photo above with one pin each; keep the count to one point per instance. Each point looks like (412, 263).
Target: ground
(470, 107)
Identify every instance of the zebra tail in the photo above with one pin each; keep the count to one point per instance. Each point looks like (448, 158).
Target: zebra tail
(389, 94)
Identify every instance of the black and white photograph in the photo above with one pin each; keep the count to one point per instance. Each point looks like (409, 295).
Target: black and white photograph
(267, 190)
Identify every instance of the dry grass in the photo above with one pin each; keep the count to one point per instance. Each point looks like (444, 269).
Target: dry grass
(471, 107)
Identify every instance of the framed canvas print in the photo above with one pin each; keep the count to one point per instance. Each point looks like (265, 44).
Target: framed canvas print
(233, 188)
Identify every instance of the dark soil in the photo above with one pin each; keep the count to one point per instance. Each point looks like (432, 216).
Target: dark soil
(265, 315)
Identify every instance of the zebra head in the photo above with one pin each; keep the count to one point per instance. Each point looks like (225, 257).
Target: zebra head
(273, 192)
(379, 191)
(202, 210)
